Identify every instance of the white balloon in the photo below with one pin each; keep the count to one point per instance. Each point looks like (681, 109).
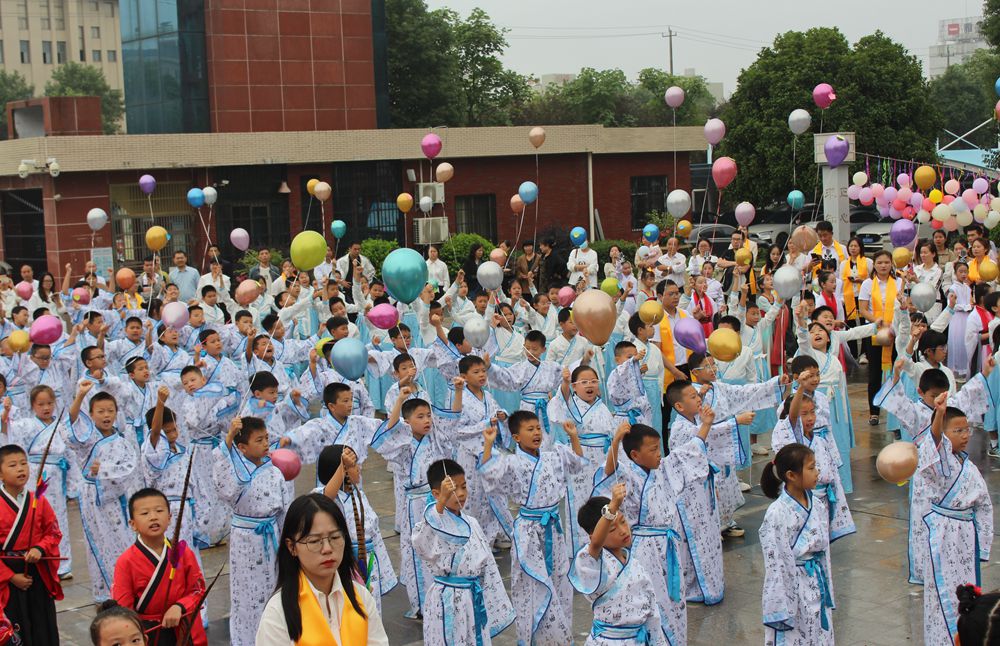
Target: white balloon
(477, 332)
(959, 205)
(995, 204)
(426, 204)
(642, 252)
(96, 219)
(860, 178)
(923, 296)
(992, 219)
(964, 218)
(490, 275)
(941, 212)
(980, 212)
(799, 121)
(211, 195)
(923, 217)
(787, 282)
(678, 203)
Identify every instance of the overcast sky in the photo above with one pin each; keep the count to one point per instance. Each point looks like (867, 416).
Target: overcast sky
(717, 38)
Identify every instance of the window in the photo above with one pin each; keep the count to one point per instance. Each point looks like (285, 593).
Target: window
(81, 31)
(94, 5)
(83, 56)
(22, 23)
(61, 52)
(25, 51)
(60, 14)
(110, 6)
(95, 32)
(22, 14)
(95, 56)
(47, 52)
(649, 193)
(112, 56)
(476, 214)
(1, 52)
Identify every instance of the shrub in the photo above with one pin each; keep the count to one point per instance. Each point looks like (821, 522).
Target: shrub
(455, 251)
(249, 259)
(376, 250)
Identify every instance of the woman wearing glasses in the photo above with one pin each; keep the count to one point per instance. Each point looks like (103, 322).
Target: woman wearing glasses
(318, 599)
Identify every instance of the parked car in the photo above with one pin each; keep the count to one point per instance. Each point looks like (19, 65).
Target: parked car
(778, 232)
(875, 237)
(720, 235)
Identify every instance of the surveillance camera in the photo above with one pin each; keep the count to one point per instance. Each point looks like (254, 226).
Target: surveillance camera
(54, 169)
(23, 170)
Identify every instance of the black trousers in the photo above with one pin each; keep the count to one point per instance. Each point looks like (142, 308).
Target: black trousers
(874, 354)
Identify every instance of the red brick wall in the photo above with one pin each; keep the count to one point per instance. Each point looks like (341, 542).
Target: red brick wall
(613, 187)
(290, 65)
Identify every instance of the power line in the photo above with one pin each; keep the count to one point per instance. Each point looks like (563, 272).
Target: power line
(647, 26)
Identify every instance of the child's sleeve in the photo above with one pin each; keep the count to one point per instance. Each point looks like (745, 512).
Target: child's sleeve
(625, 383)
(116, 473)
(194, 583)
(363, 401)
(782, 435)
(123, 588)
(307, 440)
(49, 535)
(892, 397)
(391, 441)
(983, 508)
(438, 537)
(503, 378)
(587, 575)
(688, 463)
(230, 474)
(497, 472)
(974, 398)
(573, 463)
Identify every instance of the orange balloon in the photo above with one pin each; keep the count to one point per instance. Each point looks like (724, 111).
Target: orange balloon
(247, 292)
(404, 202)
(516, 203)
(594, 314)
(125, 278)
(897, 462)
(805, 238)
(537, 136)
(311, 186)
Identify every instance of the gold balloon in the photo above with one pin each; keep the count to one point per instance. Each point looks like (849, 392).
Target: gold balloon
(156, 238)
(988, 271)
(805, 238)
(897, 462)
(724, 344)
(901, 257)
(885, 337)
(444, 172)
(311, 186)
(743, 257)
(537, 136)
(924, 177)
(651, 312)
(683, 228)
(594, 314)
(19, 341)
(404, 202)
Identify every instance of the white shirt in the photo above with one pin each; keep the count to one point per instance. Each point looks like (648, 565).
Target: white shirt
(323, 271)
(694, 265)
(588, 256)
(221, 285)
(347, 271)
(672, 267)
(272, 630)
(438, 270)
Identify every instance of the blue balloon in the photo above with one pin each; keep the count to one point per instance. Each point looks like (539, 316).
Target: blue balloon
(996, 86)
(350, 358)
(196, 198)
(404, 273)
(338, 228)
(651, 233)
(528, 192)
(578, 236)
(796, 199)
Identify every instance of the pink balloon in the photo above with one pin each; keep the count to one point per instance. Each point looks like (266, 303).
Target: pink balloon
(899, 204)
(894, 214)
(970, 197)
(247, 292)
(823, 95)
(566, 296)
(715, 130)
(24, 290)
(916, 200)
(853, 191)
(947, 199)
(431, 145)
(745, 213)
(867, 196)
(240, 239)
(383, 316)
(927, 205)
(287, 461)
(889, 194)
(903, 180)
(46, 330)
(883, 211)
(674, 96)
(81, 295)
(174, 315)
(951, 224)
(908, 213)
(904, 194)
(951, 187)
(723, 171)
(877, 190)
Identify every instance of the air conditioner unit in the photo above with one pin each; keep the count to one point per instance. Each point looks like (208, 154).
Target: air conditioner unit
(431, 230)
(433, 190)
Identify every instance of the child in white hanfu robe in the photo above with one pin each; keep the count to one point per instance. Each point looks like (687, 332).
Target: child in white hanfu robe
(466, 601)
(537, 479)
(615, 583)
(335, 425)
(259, 496)
(533, 378)
(959, 519)
(626, 391)
(797, 600)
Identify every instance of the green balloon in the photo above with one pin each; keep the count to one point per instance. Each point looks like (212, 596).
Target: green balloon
(610, 287)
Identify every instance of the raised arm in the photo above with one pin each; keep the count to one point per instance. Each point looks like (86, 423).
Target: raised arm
(600, 533)
(157, 424)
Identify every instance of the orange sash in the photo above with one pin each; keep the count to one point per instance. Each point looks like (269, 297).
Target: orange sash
(667, 346)
(850, 301)
(837, 248)
(885, 312)
(315, 629)
(974, 270)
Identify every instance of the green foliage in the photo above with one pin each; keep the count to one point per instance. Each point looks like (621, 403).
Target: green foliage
(77, 79)
(376, 250)
(663, 220)
(455, 251)
(249, 259)
(882, 97)
(603, 249)
(698, 101)
(990, 26)
(966, 99)
(13, 87)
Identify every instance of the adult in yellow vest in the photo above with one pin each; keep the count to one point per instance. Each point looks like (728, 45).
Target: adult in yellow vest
(316, 570)
(853, 273)
(832, 254)
(877, 302)
(675, 356)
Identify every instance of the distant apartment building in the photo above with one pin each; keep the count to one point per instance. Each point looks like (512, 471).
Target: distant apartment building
(958, 38)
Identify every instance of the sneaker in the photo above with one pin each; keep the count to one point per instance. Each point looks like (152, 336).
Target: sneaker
(733, 531)
(744, 487)
(502, 543)
(993, 451)
(760, 449)
(66, 577)
(415, 615)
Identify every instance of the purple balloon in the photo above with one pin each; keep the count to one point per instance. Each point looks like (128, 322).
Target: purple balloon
(894, 214)
(866, 196)
(981, 185)
(883, 210)
(691, 335)
(745, 213)
(147, 183)
(890, 195)
(902, 232)
(916, 201)
(853, 192)
(836, 149)
(715, 130)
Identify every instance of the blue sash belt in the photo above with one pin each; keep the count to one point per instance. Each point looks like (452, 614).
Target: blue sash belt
(547, 517)
(816, 568)
(266, 527)
(672, 563)
(61, 463)
(956, 514)
(595, 440)
(213, 441)
(418, 493)
(473, 584)
(638, 632)
(710, 481)
(540, 403)
(830, 491)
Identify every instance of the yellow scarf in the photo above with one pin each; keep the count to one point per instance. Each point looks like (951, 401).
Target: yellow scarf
(974, 270)
(133, 301)
(850, 302)
(315, 629)
(884, 312)
(667, 346)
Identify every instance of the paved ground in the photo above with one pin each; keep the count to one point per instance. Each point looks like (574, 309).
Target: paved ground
(875, 605)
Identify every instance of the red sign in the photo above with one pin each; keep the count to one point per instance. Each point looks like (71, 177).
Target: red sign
(953, 29)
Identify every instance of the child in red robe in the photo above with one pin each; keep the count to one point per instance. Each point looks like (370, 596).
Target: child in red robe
(29, 546)
(166, 597)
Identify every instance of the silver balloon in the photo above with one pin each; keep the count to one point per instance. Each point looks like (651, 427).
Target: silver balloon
(96, 219)
(923, 297)
(477, 331)
(787, 282)
(211, 195)
(678, 203)
(490, 275)
(426, 204)
(799, 121)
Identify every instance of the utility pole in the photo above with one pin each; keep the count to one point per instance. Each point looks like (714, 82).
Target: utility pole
(669, 35)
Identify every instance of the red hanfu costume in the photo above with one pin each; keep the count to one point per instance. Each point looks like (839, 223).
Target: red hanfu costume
(27, 522)
(142, 579)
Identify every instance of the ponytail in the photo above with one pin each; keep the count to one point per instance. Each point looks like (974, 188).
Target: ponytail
(978, 613)
(791, 457)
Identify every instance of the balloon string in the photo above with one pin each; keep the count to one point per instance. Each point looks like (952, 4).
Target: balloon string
(795, 140)
(407, 349)
(308, 213)
(322, 220)
(149, 200)
(208, 240)
(534, 237)
(208, 236)
(524, 210)
(674, 111)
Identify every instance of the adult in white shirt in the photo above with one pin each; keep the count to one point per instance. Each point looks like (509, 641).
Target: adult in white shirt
(216, 279)
(437, 270)
(28, 276)
(345, 265)
(582, 264)
(697, 260)
(318, 556)
(324, 269)
(672, 264)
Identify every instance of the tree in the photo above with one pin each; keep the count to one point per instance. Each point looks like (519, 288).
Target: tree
(698, 101)
(964, 101)
(990, 26)
(76, 79)
(882, 97)
(13, 87)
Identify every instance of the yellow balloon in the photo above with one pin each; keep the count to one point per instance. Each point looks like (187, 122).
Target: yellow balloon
(156, 238)
(311, 186)
(651, 312)
(610, 287)
(19, 341)
(743, 257)
(404, 202)
(936, 196)
(683, 228)
(901, 257)
(322, 342)
(308, 250)
(988, 270)
(924, 177)
(725, 344)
